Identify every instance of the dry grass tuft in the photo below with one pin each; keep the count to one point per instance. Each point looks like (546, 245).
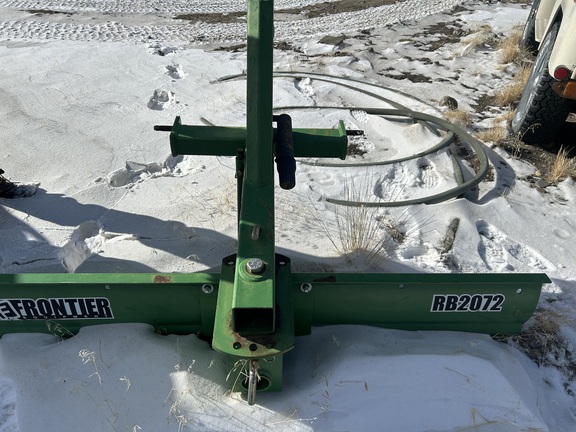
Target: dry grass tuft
(459, 117)
(540, 337)
(510, 50)
(359, 229)
(543, 342)
(510, 94)
(562, 166)
(495, 135)
(506, 117)
(364, 233)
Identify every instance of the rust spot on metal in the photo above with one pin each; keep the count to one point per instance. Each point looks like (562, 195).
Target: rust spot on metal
(162, 279)
(326, 279)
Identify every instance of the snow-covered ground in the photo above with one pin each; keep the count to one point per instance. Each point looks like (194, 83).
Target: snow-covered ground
(80, 90)
(143, 20)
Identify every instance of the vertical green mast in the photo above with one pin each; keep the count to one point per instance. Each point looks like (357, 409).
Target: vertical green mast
(254, 317)
(256, 225)
(259, 170)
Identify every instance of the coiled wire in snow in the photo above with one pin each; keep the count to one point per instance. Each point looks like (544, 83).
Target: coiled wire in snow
(399, 110)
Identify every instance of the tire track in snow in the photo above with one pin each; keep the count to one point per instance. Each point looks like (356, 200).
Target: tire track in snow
(110, 29)
(149, 6)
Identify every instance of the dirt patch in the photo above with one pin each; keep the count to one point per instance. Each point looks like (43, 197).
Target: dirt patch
(541, 157)
(441, 34)
(529, 153)
(41, 12)
(355, 149)
(285, 46)
(483, 102)
(415, 78)
(342, 6)
(312, 11)
(231, 48)
(214, 18)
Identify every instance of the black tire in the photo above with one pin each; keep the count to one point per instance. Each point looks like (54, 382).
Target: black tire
(541, 111)
(528, 39)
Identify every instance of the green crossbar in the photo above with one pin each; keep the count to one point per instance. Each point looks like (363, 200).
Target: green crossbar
(186, 303)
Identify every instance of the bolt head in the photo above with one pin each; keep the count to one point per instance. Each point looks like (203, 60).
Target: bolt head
(255, 266)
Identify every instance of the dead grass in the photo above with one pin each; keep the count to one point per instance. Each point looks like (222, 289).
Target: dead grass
(542, 341)
(459, 117)
(359, 230)
(562, 166)
(506, 117)
(510, 50)
(508, 97)
(365, 234)
(554, 167)
(499, 133)
(495, 135)
(510, 94)
(540, 337)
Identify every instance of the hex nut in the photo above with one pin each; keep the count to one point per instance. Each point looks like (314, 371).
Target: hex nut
(255, 266)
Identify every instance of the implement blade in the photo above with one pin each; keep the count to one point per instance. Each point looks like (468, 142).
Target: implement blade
(481, 303)
(62, 303)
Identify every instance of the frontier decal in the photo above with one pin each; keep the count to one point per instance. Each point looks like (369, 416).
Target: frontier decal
(55, 308)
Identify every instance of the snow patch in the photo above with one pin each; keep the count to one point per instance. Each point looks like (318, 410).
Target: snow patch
(161, 50)
(161, 100)
(8, 400)
(176, 71)
(87, 240)
(135, 172)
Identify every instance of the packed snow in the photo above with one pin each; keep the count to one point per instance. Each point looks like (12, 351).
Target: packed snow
(99, 192)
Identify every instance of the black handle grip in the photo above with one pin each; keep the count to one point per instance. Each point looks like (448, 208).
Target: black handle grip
(285, 162)
(162, 128)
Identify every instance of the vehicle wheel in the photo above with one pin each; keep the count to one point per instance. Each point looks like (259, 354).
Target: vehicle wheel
(541, 111)
(528, 40)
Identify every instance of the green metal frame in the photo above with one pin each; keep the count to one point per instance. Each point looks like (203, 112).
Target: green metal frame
(187, 303)
(256, 306)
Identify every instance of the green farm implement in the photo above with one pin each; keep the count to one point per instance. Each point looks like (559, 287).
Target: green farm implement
(253, 310)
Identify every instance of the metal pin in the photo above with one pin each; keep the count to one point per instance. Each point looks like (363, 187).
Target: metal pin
(252, 382)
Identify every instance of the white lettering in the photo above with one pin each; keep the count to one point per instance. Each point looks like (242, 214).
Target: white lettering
(55, 308)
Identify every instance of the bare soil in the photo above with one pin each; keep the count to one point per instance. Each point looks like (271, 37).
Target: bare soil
(312, 11)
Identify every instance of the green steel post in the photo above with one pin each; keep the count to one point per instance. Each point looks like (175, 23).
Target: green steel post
(254, 293)
(255, 285)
